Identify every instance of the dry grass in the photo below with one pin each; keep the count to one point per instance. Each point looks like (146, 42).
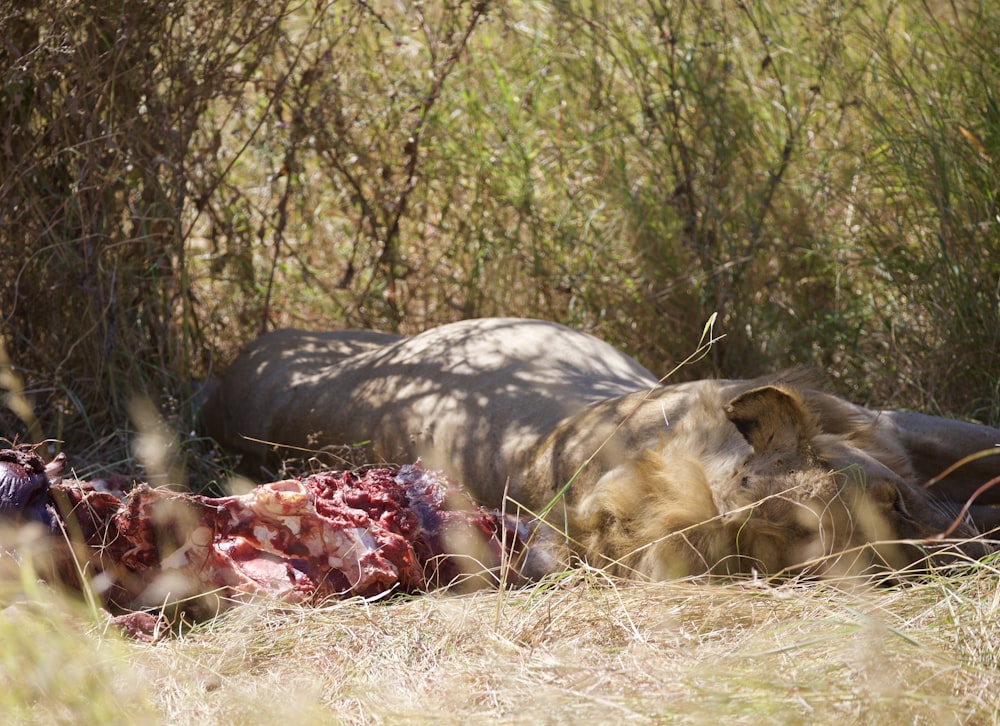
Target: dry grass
(582, 649)
(821, 176)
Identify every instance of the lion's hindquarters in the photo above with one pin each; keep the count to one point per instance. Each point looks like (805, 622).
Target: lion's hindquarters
(273, 381)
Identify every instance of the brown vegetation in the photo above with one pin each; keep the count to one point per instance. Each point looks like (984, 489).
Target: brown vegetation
(177, 179)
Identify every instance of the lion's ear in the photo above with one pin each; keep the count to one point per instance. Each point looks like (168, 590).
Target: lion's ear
(771, 419)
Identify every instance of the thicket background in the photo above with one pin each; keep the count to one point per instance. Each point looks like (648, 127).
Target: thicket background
(176, 177)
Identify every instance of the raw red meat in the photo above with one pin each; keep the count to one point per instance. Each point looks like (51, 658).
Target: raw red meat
(328, 535)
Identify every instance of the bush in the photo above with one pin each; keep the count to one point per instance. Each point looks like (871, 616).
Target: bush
(178, 177)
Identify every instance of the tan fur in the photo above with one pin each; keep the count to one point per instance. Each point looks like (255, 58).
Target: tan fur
(649, 480)
(702, 500)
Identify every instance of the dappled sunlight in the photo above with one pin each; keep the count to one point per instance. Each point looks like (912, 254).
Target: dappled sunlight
(701, 533)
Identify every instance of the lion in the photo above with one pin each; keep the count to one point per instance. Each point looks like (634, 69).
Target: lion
(645, 480)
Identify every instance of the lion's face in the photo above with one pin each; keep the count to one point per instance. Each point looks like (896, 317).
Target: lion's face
(774, 495)
(795, 511)
(818, 503)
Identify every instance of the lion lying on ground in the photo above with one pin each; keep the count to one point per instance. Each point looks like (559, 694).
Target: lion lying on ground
(719, 476)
